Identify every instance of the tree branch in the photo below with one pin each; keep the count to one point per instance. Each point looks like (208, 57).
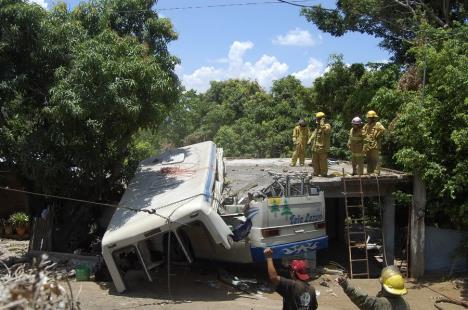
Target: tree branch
(407, 6)
(431, 13)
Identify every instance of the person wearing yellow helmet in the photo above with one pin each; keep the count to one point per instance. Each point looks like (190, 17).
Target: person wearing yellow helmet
(300, 136)
(390, 296)
(320, 141)
(373, 132)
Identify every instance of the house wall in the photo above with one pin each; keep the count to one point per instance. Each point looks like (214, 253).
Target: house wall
(440, 250)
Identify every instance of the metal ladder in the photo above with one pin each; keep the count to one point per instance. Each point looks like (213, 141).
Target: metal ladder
(360, 233)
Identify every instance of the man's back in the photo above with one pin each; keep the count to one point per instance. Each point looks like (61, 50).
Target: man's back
(297, 295)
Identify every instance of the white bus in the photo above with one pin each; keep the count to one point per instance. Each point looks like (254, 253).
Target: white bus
(191, 215)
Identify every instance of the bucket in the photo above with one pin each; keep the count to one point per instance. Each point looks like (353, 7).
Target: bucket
(82, 273)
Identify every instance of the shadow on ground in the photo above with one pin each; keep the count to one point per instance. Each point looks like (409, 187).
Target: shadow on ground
(197, 282)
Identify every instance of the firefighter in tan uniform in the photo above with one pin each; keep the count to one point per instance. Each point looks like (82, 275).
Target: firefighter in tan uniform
(300, 136)
(320, 141)
(373, 132)
(355, 145)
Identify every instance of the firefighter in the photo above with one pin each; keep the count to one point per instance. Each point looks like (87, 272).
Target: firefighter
(320, 141)
(355, 145)
(389, 297)
(300, 135)
(373, 132)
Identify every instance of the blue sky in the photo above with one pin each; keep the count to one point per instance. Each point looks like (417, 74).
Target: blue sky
(262, 42)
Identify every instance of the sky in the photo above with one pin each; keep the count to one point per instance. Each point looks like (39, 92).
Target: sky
(262, 40)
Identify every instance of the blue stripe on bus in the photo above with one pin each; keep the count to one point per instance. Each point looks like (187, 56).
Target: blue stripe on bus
(291, 249)
(211, 171)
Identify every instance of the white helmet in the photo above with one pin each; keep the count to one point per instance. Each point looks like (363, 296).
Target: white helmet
(356, 121)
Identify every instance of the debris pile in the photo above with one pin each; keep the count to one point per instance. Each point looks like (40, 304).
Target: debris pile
(249, 286)
(34, 286)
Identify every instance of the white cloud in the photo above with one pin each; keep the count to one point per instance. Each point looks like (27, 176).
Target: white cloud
(265, 70)
(313, 70)
(297, 37)
(40, 2)
(238, 49)
(200, 78)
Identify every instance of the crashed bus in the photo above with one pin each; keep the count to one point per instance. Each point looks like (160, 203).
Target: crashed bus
(180, 206)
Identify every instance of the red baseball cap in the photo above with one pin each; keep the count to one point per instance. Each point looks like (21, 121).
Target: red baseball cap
(300, 269)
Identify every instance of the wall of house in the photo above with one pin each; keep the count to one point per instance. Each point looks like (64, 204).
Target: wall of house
(440, 250)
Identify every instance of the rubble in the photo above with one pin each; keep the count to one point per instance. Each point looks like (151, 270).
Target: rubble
(249, 286)
(34, 286)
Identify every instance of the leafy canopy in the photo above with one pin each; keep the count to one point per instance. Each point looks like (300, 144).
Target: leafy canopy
(432, 124)
(394, 21)
(76, 89)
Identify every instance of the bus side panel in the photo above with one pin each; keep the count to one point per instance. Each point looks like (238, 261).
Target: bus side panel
(290, 249)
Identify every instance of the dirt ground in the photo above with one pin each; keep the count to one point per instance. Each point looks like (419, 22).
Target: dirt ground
(192, 291)
(12, 247)
(198, 287)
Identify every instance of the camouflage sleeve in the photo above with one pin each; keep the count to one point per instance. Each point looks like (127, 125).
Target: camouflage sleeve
(295, 134)
(362, 299)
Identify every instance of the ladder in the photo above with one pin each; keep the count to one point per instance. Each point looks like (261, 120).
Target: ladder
(357, 234)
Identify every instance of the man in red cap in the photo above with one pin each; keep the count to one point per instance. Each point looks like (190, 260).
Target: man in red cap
(296, 293)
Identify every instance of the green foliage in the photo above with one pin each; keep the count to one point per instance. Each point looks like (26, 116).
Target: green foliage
(265, 128)
(430, 127)
(18, 219)
(348, 91)
(395, 22)
(85, 94)
(77, 90)
(402, 198)
(249, 122)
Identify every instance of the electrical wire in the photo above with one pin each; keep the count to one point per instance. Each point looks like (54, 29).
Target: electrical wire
(88, 202)
(168, 219)
(221, 5)
(295, 4)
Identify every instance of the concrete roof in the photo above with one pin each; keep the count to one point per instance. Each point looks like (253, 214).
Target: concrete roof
(250, 175)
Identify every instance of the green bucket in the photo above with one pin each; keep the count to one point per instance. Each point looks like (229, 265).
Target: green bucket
(82, 273)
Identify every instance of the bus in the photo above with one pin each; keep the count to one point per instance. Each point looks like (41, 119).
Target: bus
(180, 205)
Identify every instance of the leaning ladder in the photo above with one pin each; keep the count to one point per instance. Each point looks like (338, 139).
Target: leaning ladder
(359, 231)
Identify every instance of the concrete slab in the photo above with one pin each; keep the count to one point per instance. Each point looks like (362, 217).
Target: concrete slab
(250, 175)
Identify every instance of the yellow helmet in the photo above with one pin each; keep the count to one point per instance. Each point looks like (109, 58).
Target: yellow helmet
(319, 115)
(392, 281)
(371, 113)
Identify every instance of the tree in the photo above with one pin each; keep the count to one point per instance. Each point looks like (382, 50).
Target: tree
(77, 89)
(394, 21)
(104, 84)
(432, 124)
(346, 91)
(265, 126)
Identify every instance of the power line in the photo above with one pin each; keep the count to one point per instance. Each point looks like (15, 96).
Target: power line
(115, 206)
(295, 4)
(221, 5)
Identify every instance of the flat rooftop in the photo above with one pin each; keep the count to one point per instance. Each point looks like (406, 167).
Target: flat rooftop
(250, 175)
